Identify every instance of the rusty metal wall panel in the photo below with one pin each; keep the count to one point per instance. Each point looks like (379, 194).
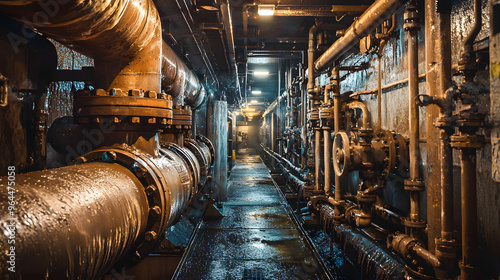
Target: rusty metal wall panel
(218, 127)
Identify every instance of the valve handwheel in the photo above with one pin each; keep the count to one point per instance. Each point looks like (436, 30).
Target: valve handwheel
(341, 153)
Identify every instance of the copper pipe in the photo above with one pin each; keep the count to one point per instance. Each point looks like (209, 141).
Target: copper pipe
(81, 222)
(124, 38)
(414, 148)
(470, 255)
(335, 79)
(318, 11)
(317, 162)
(327, 150)
(365, 121)
(375, 15)
(179, 81)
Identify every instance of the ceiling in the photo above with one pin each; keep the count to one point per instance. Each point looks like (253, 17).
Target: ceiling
(197, 31)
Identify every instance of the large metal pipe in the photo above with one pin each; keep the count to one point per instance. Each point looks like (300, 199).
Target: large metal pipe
(414, 184)
(374, 16)
(179, 81)
(73, 222)
(123, 36)
(76, 222)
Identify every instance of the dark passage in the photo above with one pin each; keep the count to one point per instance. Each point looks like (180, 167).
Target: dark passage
(257, 237)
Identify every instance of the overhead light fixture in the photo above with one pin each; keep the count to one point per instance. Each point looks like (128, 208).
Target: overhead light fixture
(260, 73)
(266, 10)
(256, 92)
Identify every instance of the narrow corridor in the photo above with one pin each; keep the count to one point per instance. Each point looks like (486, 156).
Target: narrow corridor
(256, 239)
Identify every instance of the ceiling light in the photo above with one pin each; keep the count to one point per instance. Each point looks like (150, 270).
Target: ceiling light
(266, 10)
(256, 92)
(260, 73)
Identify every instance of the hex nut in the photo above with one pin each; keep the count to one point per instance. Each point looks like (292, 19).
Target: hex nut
(150, 235)
(150, 190)
(155, 211)
(108, 156)
(136, 93)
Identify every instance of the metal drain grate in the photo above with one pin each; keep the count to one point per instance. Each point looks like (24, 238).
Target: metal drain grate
(253, 274)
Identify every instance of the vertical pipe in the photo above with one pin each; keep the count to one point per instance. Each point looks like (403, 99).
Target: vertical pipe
(469, 214)
(379, 96)
(444, 69)
(317, 154)
(327, 145)
(336, 127)
(414, 121)
(433, 57)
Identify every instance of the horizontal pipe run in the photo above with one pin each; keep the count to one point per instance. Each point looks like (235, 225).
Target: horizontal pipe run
(374, 16)
(123, 36)
(74, 222)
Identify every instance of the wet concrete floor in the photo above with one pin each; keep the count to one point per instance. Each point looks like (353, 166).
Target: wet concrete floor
(256, 238)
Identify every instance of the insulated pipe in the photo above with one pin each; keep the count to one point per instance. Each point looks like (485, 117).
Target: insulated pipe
(179, 81)
(327, 150)
(74, 222)
(374, 16)
(124, 38)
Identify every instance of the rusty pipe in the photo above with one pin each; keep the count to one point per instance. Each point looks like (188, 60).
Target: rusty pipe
(365, 121)
(470, 255)
(310, 59)
(375, 15)
(476, 28)
(412, 26)
(124, 38)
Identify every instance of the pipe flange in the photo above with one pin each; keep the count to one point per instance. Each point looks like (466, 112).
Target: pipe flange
(414, 185)
(182, 117)
(210, 146)
(141, 166)
(467, 141)
(198, 153)
(181, 152)
(147, 108)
